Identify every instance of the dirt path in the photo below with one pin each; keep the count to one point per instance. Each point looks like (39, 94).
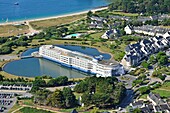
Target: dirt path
(31, 29)
(17, 109)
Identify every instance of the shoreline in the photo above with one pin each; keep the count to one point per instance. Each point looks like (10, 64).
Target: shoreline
(16, 76)
(55, 17)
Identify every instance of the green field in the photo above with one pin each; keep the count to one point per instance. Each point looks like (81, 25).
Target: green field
(123, 13)
(41, 24)
(32, 110)
(96, 36)
(15, 107)
(10, 30)
(164, 90)
(162, 93)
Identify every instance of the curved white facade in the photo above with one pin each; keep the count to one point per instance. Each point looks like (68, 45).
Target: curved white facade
(81, 61)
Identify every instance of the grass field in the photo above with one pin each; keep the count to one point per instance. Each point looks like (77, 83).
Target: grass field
(166, 27)
(27, 102)
(162, 93)
(123, 13)
(16, 106)
(98, 45)
(10, 30)
(97, 36)
(32, 110)
(164, 90)
(55, 22)
(143, 96)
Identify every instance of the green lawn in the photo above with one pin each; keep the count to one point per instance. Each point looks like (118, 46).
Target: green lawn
(144, 96)
(164, 90)
(28, 102)
(16, 106)
(166, 86)
(97, 36)
(32, 110)
(41, 24)
(162, 93)
(123, 13)
(66, 110)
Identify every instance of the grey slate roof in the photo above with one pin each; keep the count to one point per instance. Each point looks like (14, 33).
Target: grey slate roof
(156, 98)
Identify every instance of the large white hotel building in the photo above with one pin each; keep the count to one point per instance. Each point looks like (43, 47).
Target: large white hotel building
(80, 61)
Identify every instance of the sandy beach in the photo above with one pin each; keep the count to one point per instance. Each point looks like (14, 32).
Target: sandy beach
(54, 17)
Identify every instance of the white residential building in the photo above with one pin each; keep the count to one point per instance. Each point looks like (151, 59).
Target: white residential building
(80, 61)
(110, 33)
(128, 29)
(136, 52)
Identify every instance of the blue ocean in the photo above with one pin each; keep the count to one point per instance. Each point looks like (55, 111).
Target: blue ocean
(15, 10)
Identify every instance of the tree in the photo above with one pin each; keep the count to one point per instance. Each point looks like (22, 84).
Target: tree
(1, 78)
(101, 99)
(144, 90)
(89, 14)
(137, 110)
(39, 82)
(145, 64)
(160, 54)
(41, 96)
(129, 109)
(34, 89)
(81, 87)
(62, 80)
(101, 92)
(152, 59)
(57, 99)
(52, 83)
(5, 50)
(70, 99)
(131, 7)
(166, 22)
(86, 99)
(163, 60)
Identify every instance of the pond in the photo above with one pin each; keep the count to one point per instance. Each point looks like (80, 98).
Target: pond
(32, 67)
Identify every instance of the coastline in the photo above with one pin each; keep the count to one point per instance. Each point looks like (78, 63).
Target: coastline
(54, 17)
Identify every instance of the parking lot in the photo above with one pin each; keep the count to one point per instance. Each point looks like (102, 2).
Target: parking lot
(7, 100)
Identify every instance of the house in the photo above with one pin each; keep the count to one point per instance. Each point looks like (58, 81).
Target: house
(163, 16)
(109, 34)
(143, 19)
(155, 108)
(137, 52)
(98, 19)
(116, 17)
(151, 30)
(155, 99)
(128, 29)
(154, 17)
(165, 108)
(137, 104)
(146, 110)
(161, 108)
(96, 24)
(167, 34)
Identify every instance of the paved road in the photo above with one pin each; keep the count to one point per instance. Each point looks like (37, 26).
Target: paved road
(8, 57)
(128, 79)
